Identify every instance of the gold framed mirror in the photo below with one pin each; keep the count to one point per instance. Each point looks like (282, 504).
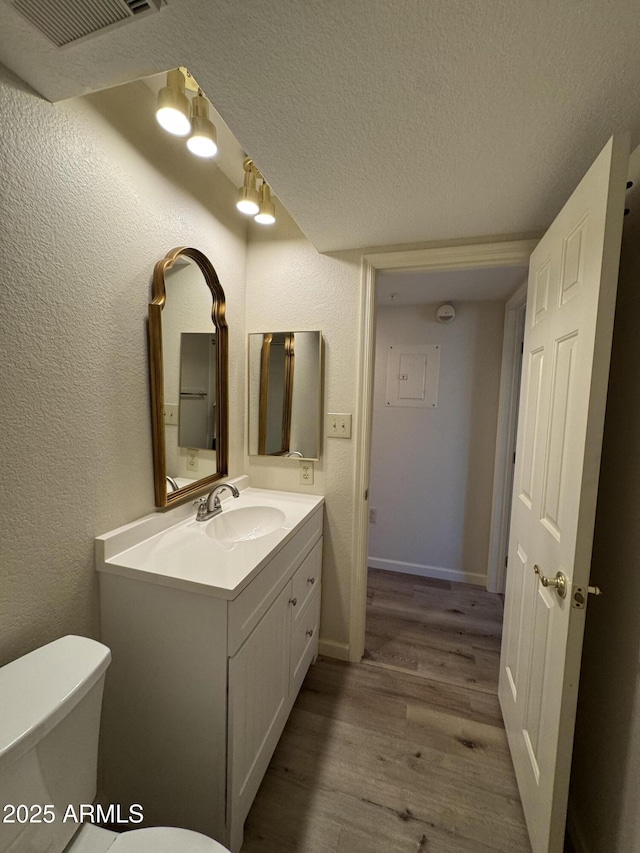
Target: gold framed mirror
(285, 394)
(188, 362)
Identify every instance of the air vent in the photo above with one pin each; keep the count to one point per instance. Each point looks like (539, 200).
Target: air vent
(68, 21)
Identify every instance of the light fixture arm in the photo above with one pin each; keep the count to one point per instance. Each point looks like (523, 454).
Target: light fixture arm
(250, 168)
(263, 207)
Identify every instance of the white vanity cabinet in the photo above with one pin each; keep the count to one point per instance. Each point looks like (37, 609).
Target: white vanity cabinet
(203, 680)
(265, 675)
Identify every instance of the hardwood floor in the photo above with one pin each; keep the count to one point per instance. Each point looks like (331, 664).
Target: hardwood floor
(405, 751)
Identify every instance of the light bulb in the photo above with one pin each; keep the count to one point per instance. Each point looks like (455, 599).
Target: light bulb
(248, 197)
(173, 105)
(246, 205)
(203, 140)
(267, 212)
(202, 146)
(173, 121)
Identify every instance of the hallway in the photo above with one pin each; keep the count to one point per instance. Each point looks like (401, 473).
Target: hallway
(406, 751)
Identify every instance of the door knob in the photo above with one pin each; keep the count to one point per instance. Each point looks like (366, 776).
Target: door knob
(559, 583)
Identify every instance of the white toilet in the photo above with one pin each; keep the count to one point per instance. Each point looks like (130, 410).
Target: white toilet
(50, 702)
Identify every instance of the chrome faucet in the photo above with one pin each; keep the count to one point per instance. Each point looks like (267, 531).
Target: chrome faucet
(205, 509)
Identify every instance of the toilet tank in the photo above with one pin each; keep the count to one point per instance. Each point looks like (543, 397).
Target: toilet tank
(50, 702)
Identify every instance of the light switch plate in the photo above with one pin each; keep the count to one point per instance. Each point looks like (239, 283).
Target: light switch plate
(171, 414)
(338, 425)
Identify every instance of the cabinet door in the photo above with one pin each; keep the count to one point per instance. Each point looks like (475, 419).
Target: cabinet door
(258, 705)
(304, 642)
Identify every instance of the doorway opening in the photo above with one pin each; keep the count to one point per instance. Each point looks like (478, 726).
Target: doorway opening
(436, 495)
(438, 384)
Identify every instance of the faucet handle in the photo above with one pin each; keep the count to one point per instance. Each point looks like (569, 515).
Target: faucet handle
(201, 503)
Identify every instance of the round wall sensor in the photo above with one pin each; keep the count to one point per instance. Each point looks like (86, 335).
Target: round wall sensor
(446, 314)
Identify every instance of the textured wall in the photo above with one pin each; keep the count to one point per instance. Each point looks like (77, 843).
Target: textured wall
(291, 286)
(605, 781)
(84, 218)
(432, 469)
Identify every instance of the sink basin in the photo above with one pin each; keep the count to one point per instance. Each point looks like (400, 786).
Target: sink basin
(219, 556)
(249, 522)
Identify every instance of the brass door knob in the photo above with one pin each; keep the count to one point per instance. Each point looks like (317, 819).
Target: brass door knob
(559, 583)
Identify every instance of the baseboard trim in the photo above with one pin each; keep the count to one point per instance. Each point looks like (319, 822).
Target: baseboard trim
(333, 649)
(575, 833)
(427, 571)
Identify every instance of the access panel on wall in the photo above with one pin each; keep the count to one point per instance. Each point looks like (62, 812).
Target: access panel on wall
(412, 375)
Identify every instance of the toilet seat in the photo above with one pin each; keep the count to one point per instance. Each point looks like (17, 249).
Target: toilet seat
(155, 839)
(165, 839)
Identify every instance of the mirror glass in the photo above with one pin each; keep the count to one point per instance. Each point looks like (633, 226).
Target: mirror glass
(188, 357)
(196, 392)
(285, 394)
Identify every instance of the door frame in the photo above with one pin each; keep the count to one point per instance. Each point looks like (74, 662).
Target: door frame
(463, 256)
(506, 439)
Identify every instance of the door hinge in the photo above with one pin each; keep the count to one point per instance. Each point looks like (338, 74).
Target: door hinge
(506, 562)
(514, 457)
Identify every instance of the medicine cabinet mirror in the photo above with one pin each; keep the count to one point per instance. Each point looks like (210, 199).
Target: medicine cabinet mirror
(285, 394)
(188, 357)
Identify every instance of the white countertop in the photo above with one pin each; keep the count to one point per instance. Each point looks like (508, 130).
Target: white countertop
(183, 553)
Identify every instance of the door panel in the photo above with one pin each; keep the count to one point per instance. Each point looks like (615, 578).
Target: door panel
(531, 425)
(570, 307)
(555, 475)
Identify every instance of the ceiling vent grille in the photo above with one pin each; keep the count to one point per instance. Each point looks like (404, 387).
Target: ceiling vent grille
(67, 21)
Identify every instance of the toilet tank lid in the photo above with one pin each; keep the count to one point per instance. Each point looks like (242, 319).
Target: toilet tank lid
(39, 689)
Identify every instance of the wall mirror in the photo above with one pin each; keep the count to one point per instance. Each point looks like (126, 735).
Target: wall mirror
(188, 358)
(285, 394)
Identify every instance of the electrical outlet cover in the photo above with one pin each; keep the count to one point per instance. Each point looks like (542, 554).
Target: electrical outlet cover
(306, 473)
(192, 459)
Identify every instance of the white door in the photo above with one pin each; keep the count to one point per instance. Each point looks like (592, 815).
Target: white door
(569, 323)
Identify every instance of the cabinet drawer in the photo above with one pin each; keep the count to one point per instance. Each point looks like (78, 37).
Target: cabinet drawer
(305, 580)
(304, 642)
(247, 609)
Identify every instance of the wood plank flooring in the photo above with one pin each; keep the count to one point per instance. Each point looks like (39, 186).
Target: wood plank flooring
(405, 751)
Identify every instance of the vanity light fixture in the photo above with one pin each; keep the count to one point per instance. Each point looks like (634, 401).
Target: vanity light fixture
(267, 214)
(248, 196)
(180, 117)
(172, 112)
(203, 141)
(254, 202)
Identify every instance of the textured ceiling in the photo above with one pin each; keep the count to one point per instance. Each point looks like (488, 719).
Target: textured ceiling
(416, 287)
(385, 121)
